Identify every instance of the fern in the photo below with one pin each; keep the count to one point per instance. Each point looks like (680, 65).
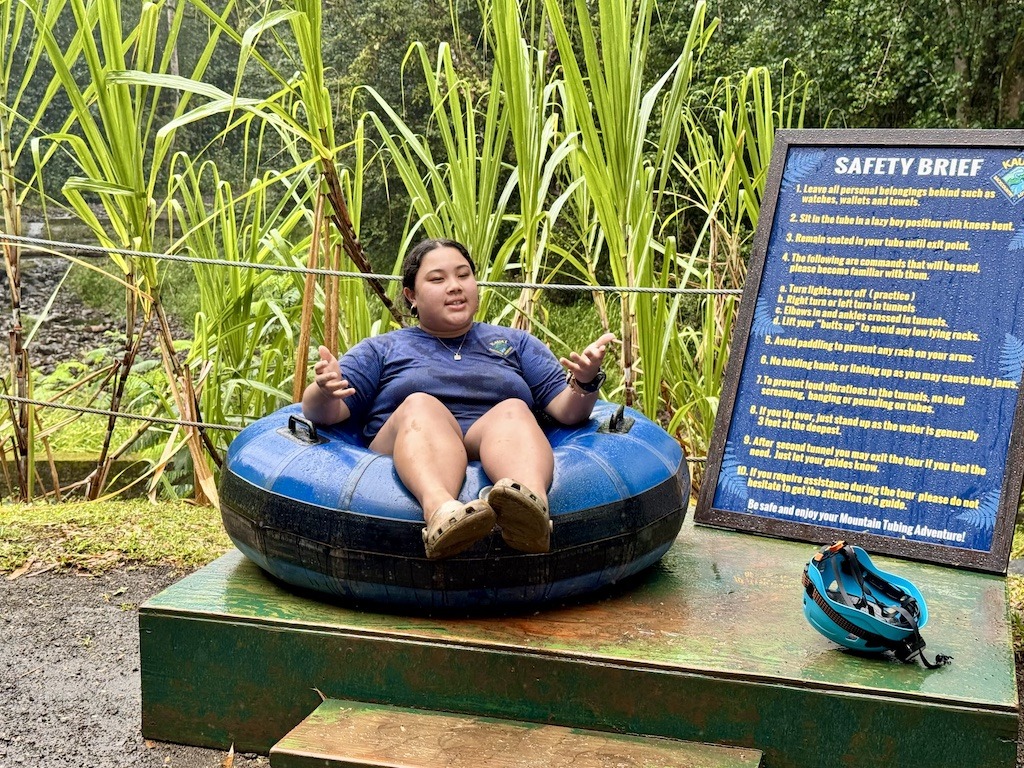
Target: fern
(764, 322)
(1017, 243)
(729, 478)
(800, 167)
(1011, 359)
(984, 517)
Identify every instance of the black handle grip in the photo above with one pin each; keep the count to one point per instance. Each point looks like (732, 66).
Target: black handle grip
(311, 433)
(615, 422)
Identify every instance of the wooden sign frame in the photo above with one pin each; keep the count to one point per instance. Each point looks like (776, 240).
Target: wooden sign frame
(886, 225)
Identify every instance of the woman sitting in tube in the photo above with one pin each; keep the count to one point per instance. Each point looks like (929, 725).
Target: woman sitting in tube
(453, 390)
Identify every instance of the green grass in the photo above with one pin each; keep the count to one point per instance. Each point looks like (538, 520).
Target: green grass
(94, 537)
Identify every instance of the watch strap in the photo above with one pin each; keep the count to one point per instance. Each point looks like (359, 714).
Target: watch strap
(589, 387)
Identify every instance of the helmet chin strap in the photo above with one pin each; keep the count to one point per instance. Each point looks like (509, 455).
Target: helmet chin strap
(941, 659)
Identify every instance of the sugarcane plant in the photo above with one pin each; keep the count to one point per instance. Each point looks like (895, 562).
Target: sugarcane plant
(462, 188)
(613, 107)
(723, 172)
(21, 52)
(112, 137)
(569, 159)
(529, 97)
(300, 113)
(13, 17)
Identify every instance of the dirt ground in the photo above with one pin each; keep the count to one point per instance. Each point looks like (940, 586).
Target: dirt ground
(69, 675)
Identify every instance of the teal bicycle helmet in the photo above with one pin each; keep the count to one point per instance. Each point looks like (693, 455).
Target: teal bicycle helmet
(853, 603)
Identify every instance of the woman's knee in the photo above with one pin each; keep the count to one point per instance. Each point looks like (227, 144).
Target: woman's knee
(420, 408)
(513, 408)
(419, 414)
(421, 403)
(508, 419)
(509, 423)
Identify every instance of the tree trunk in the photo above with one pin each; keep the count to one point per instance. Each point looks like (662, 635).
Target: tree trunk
(982, 61)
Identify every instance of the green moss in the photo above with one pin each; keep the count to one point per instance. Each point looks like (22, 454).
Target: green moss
(1015, 594)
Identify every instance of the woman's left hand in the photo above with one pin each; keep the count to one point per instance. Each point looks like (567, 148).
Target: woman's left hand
(586, 365)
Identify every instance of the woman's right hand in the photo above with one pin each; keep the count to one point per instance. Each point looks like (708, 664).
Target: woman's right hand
(329, 377)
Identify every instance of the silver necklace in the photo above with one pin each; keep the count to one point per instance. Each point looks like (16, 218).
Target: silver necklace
(457, 354)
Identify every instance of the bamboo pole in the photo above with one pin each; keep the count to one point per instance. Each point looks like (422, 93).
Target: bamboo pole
(308, 303)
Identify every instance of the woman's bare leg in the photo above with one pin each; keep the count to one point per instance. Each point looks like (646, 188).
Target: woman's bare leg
(509, 443)
(517, 456)
(425, 441)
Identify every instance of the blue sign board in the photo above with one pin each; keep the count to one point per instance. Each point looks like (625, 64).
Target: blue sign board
(876, 364)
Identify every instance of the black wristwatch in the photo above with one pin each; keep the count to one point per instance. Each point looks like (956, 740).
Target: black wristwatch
(589, 387)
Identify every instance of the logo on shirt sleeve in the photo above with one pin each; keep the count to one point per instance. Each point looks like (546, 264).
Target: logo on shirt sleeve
(500, 347)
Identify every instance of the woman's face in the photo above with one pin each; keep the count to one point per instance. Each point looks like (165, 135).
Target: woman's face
(445, 295)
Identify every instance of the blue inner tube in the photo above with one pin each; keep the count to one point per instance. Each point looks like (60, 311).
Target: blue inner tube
(318, 510)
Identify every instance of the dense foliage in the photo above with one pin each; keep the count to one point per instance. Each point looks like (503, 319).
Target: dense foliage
(611, 142)
(881, 64)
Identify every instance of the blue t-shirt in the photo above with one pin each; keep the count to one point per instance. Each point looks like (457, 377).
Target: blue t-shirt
(496, 364)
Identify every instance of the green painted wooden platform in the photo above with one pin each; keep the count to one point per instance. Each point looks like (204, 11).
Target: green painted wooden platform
(708, 646)
(351, 734)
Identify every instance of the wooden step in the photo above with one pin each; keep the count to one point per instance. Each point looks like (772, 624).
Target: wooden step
(357, 734)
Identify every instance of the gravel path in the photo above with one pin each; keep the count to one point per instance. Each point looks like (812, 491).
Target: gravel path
(69, 675)
(69, 644)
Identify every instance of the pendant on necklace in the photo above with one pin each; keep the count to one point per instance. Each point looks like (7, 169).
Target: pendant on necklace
(457, 353)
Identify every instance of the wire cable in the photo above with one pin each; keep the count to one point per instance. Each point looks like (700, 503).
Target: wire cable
(55, 248)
